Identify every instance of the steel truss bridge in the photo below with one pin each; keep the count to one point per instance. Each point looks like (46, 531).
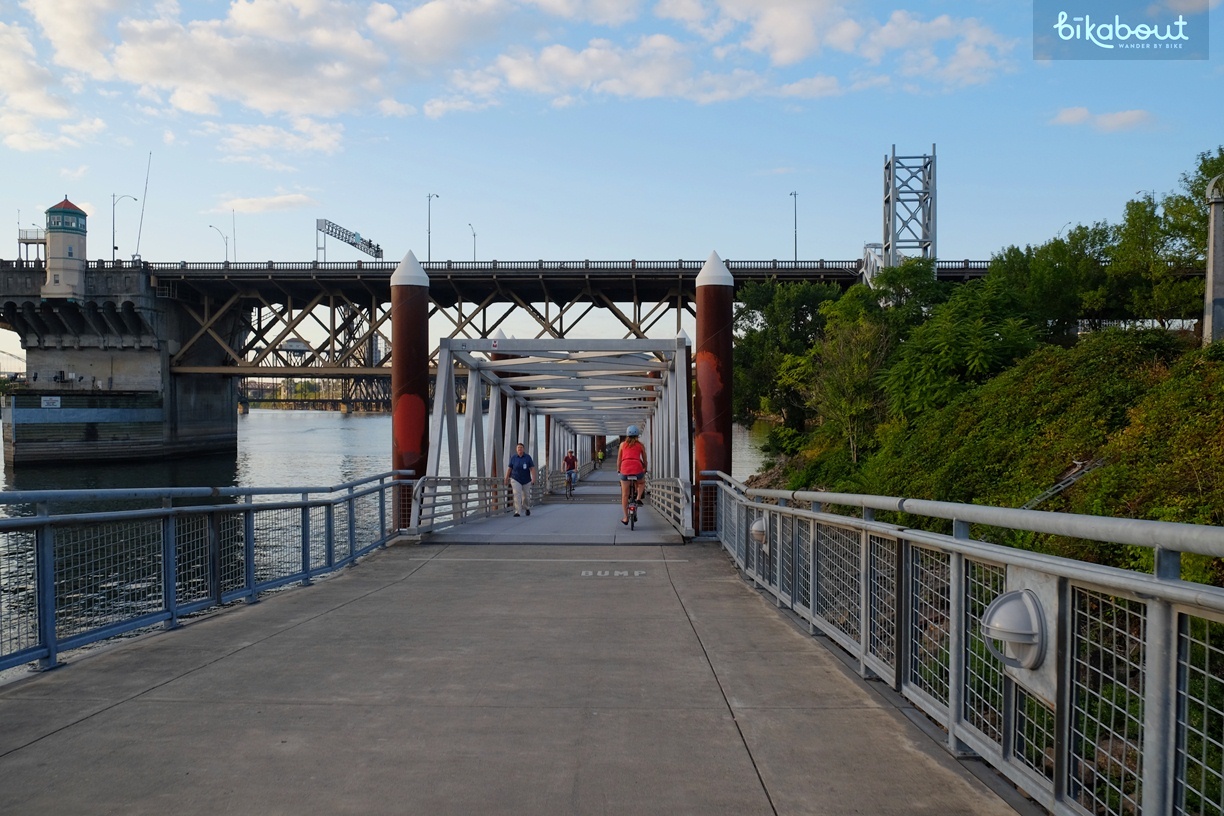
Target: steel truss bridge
(287, 307)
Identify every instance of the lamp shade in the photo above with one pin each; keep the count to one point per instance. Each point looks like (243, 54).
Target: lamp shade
(1014, 619)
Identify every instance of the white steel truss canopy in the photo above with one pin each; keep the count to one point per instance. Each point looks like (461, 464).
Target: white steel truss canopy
(587, 388)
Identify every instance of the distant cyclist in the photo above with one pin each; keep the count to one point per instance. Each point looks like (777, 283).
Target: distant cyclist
(631, 461)
(571, 469)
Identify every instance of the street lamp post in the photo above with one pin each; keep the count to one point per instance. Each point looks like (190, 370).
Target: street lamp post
(429, 197)
(795, 196)
(224, 238)
(473, 229)
(115, 199)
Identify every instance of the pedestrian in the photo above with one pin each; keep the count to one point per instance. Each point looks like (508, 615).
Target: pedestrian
(571, 469)
(520, 473)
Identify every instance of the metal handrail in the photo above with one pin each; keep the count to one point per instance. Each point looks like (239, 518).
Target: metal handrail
(72, 579)
(1121, 717)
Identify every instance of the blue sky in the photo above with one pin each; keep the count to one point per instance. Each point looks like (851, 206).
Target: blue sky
(571, 129)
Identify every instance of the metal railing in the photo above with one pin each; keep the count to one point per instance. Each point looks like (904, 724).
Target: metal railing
(69, 579)
(1125, 715)
(439, 502)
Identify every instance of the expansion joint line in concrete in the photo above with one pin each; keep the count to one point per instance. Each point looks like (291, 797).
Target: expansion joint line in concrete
(726, 701)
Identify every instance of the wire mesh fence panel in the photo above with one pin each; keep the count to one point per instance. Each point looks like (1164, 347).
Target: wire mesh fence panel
(709, 502)
(193, 581)
(368, 521)
(1035, 733)
(1200, 722)
(341, 548)
(803, 563)
(231, 537)
(837, 577)
(18, 592)
(278, 544)
(318, 537)
(786, 556)
(930, 604)
(983, 671)
(106, 574)
(882, 599)
(1107, 686)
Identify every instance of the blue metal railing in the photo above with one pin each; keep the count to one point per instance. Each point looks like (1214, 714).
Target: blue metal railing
(1125, 713)
(68, 579)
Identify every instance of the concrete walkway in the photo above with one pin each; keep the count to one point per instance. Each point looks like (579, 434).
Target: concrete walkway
(442, 679)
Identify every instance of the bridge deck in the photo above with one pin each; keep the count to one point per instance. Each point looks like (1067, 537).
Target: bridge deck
(516, 679)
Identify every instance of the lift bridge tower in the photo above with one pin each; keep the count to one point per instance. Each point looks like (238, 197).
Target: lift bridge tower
(909, 212)
(371, 392)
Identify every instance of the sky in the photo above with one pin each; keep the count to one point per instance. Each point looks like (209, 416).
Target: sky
(574, 129)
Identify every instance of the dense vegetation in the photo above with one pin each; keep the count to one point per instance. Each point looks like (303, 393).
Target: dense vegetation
(989, 392)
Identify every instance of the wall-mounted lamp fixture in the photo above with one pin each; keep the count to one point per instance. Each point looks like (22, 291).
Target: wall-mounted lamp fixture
(1016, 621)
(757, 531)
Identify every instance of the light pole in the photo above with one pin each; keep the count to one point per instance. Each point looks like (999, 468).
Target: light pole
(795, 196)
(115, 199)
(224, 238)
(429, 197)
(473, 229)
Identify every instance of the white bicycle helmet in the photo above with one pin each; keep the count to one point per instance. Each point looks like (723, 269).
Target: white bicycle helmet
(632, 430)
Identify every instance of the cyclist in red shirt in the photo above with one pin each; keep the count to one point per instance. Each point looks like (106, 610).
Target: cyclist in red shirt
(631, 461)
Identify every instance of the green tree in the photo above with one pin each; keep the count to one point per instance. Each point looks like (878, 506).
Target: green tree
(1143, 261)
(1186, 211)
(972, 336)
(775, 322)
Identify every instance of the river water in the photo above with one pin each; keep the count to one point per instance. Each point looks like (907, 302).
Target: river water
(279, 448)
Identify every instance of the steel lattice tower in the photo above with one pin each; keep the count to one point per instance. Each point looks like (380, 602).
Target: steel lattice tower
(909, 207)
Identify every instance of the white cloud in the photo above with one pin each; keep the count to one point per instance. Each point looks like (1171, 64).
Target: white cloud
(977, 52)
(307, 136)
(1122, 120)
(78, 31)
(1105, 122)
(28, 95)
(438, 30)
(657, 66)
(603, 12)
(812, 87)
(1071, 116)
(283, 201)
(74, 173)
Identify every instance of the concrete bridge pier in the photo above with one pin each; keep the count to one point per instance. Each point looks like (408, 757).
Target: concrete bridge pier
(1213, 312)
(712, 397)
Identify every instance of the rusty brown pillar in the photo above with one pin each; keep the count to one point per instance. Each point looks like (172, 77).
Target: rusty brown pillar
(409, 374)
(712, 393)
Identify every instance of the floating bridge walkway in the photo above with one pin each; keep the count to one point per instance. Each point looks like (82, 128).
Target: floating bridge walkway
(572, 667)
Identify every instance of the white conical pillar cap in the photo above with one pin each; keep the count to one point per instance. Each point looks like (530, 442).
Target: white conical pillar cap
(409, 272)
(714, 273)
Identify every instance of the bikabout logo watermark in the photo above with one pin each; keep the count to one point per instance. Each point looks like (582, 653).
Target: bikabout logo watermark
(1119, 29)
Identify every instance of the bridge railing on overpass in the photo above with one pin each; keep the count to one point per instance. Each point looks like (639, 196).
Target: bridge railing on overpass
(1123, 712)
(75, 571)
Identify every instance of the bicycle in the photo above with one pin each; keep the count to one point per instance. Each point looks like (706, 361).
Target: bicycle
(633, 500)
(571, 476)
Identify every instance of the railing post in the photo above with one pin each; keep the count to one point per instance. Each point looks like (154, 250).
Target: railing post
(956, 643)
(45, 581)
(305, 539)
(352, 524)
(382, 512)
(1160, 680)
(215, 587)
(329, 516)
(248, 549)
(170, 568)
(864, 600)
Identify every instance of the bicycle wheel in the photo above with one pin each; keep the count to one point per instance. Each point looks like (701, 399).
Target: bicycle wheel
(632, 516)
